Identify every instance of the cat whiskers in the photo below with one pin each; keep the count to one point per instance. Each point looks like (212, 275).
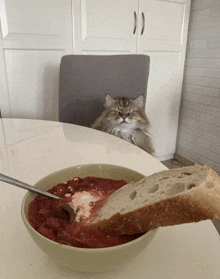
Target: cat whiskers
(123, 121)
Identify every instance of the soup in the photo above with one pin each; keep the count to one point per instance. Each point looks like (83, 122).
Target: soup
(86, 197)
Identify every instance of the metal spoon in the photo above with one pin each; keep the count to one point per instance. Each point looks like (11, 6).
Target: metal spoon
(18, 183)
(25, 186)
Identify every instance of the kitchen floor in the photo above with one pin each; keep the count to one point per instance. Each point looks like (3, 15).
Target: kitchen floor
(179, 162)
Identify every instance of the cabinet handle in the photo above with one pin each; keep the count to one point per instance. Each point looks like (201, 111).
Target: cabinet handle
(135, 22)
(143, 23)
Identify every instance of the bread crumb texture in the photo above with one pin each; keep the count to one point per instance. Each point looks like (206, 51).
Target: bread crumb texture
(171, 197)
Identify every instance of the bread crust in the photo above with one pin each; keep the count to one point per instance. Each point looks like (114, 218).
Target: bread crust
(194, 205)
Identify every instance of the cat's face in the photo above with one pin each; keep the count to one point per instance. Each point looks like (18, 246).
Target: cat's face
(124, 111)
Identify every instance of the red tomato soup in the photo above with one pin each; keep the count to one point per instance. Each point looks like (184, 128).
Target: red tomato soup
(86, 197)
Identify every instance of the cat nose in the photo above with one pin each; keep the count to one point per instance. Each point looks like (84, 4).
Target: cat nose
(124, 116)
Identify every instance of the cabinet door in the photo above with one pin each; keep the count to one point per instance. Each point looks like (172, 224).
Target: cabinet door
(105, 27)
(35, 35)
(164, 25)
(161, 23)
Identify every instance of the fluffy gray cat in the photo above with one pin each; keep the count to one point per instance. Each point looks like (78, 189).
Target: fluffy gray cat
(124, 118)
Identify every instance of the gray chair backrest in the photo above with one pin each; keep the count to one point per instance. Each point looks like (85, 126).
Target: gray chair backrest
(86, 79)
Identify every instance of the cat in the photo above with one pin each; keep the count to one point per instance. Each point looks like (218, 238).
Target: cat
(123, 117)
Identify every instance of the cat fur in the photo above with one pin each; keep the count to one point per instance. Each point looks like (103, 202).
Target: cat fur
(124, 117)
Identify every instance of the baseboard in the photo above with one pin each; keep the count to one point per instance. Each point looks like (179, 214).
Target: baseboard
(183, 160)
(177, 157)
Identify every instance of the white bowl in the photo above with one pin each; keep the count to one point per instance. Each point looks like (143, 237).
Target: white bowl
(86, 259)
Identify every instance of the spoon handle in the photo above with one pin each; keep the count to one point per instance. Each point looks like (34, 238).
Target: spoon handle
(25, 186)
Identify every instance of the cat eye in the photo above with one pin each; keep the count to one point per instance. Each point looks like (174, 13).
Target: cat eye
(132, 111)
(116, 111)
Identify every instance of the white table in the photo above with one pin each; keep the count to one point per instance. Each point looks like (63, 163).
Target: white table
(31, 149)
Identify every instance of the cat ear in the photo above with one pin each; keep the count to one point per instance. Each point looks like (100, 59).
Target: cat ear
(140, 101)
(108, 100)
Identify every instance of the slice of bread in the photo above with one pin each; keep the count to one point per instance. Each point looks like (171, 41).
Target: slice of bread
(166, 198)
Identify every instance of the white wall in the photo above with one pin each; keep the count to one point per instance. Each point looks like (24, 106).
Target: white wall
(199, 123)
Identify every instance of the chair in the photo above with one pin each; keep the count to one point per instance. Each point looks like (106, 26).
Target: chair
(86, 79)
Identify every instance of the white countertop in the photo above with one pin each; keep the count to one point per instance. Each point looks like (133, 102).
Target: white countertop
(31, 149)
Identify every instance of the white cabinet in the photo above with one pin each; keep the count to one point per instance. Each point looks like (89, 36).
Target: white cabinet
(164, 40)
(35, 35)
(157, 28)
(129, 26)
(162, 23)
(103, 26)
